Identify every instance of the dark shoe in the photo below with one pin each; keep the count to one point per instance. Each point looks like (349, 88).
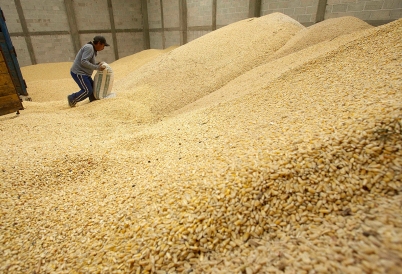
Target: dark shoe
(70, 101)
(92, 98)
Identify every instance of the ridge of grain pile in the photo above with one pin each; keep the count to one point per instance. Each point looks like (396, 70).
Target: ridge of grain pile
(325, 30)
(302, 174)
(315, 41)
(128, 64)
(201, 66)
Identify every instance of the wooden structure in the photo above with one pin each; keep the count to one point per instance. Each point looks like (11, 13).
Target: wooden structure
(12, 85)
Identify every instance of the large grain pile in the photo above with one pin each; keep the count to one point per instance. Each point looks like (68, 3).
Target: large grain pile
(312, 42)
(208, 63)
(325, 31)
(280, 165)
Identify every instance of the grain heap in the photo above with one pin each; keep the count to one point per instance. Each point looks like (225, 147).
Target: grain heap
(334, 32)
(326, 30)
(297, 169)
(43, 78)
(208, 63)
(135, 61)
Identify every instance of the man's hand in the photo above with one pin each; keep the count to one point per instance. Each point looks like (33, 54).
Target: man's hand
(101, 66)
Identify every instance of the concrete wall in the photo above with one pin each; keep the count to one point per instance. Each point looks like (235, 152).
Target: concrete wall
(303, 11)
(48, 17)
(48, 37)
(231, 11)
(54, 30)
(171, 19)
(374, 12)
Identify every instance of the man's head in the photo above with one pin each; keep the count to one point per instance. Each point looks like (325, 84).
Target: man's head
(100, 43)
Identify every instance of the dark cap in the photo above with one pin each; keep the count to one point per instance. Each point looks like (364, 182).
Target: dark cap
(101, 39)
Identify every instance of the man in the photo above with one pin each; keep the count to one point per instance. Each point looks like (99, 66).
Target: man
(82, 69)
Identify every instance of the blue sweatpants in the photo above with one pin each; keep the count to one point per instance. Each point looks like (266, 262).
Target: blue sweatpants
(86, 84)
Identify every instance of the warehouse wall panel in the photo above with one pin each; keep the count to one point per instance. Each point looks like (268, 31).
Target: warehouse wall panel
(54, 30)
(129, 43)
(171, 13)
(91, 15)
(199, 13)
(45, 15)
(21, 48)
(127, 14)
(53, 48)
(12, 20)
(154, 14)
(172, 38)
(372, 11)
(231, 11)
(156, 40)
(304, 11)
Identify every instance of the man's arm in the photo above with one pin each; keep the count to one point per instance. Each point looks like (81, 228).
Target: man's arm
(87, 55)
